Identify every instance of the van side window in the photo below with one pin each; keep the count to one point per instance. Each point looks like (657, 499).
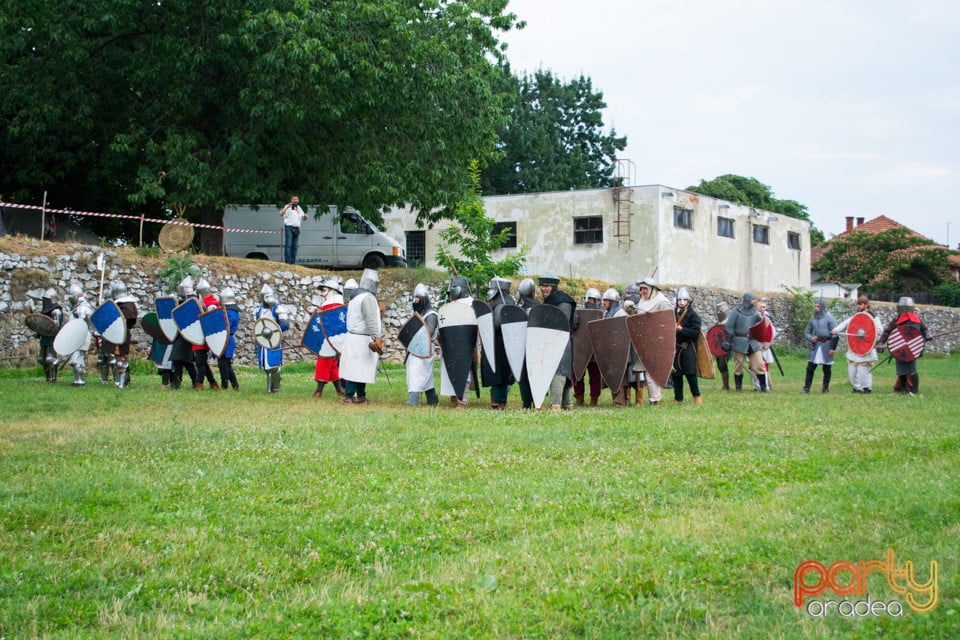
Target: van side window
(350, 224)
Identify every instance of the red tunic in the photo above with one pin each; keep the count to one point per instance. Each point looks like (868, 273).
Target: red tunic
(328, 369)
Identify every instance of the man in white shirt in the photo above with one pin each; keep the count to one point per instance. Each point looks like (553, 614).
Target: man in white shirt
(292, 216)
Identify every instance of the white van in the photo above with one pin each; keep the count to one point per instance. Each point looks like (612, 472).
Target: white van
(344, 241)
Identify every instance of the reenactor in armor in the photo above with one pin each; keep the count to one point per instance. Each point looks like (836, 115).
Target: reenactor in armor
(908, 380)
(82, 309)
(562, 385)
(526, 300)
(685, 355)
(613, 309)
(457, 291)
(823, 344)
(128, 307)
(228, 378)
(420, 370)
(737, 340)
(182, 354)
(651, 300)
(328, 367)
(591, 300)
(723, 311)
(51, 308)
(201, 353)
(364, 344)
(349, 287)
(499, 381)
(270, 360)
(106, 353)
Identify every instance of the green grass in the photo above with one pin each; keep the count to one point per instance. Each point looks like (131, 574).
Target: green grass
(143, 513)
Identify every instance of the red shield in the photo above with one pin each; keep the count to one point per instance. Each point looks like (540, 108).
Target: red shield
(762, 331)
(654, 337)
(715, 338)
(906, 343)
(861, 333)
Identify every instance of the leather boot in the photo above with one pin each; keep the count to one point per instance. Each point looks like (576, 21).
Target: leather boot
(725, 377)
(198, 386)
(626, 395)
(639, 394)
(594, 401)
(738, 382)
(914, 380)
(763, 383)
(214, 385)
(827, 373)
(578, 401)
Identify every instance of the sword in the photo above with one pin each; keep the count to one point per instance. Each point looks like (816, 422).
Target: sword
(889, 358)
(777, 361)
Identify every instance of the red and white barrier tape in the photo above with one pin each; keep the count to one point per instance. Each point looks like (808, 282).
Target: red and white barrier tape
(184, 223)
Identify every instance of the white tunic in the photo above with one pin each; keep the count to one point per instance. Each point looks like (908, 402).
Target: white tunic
(357, 362)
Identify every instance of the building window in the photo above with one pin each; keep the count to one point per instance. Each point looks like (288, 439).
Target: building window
(683, 218)
(416, 248)
(761, 234)
(511, 241)
(588, 230)
(793, 240)
(725, 227)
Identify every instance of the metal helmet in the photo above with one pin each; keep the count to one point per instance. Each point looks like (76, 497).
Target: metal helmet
(350, 284)
(526, 287)
(117, 289)
(632, 289)
(591, 294)
(421, 291)
(650, 281)
(421, 298)
(50, 294)
(227, 296)
(906, 305)
(747, 301)
(333, 284)
(370, 280)
(549, 279)
(459, 288)
(185, 288)
(267, 295)
(612, 295)
(203, 287)
(683, 294)
(498, 286)
(75, 289)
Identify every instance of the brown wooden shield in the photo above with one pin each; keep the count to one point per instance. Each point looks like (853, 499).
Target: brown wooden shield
(654, 337)
(582, 347)
(42, 325)
(611, 349)
(704, 359)
(715, 337)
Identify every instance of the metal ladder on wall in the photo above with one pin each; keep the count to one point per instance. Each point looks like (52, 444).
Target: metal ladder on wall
(623, 199)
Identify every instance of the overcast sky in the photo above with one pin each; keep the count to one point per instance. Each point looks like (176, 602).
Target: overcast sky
(851, 107)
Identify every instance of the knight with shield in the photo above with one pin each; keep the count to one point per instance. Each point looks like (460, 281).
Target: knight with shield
(82, 310)
(905, 336)
(128, 308)
(328, 360)
(422, 329)
(861, 329)
(561, 387)
(53, 312)
(738, 341)
(272, 320)
(182, 353)
(228, 378)
(201, 352)
(499, 376)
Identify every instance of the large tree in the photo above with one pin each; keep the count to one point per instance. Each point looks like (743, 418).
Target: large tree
(204, 102)
(552, 138)
(753, 193)
(893, 260)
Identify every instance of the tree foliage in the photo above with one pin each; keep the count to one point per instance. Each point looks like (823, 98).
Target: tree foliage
(552, 138)
(471, 234)
(893, 260)
(753, 193)
(126, 103)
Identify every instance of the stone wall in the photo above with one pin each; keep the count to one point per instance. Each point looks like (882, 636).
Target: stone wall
(23, 278)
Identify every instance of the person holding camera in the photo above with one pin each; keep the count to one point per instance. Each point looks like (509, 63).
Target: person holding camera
(292, 216)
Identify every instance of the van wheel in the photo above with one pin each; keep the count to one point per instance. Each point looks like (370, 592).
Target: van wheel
(373, 261)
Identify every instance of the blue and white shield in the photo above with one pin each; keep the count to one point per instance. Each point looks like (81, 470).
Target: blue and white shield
(165, 307)
(313, 337)
(334, 324)
(216, 330)
(187, 317)
(110, 323)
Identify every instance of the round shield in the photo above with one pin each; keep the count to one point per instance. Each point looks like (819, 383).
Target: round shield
(42, 325)
(861, 333)
(267, 333)
(715, 338)
(72, 336)
(906, 343)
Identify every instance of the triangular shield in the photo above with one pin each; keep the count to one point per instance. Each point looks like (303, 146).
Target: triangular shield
(110, 323)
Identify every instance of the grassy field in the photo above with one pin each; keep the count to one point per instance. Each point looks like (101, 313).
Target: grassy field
(143, 513)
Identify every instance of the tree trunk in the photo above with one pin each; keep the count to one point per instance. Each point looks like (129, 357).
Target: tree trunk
(211, 240)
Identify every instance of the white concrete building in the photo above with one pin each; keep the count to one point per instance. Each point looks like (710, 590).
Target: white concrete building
(622, 234)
